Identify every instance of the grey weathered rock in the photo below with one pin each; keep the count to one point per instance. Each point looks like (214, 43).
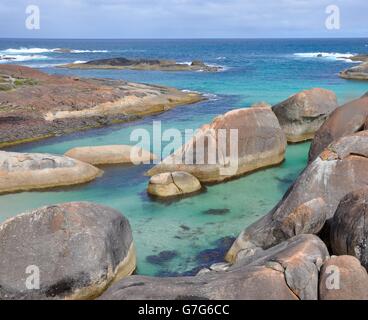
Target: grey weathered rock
(79, 249)
(172, 184)
(28, 171)
(313, 198)
(345, 120)
(349, 226)
(302, 115)
(343, 278)
(261, 143)
(287, 271)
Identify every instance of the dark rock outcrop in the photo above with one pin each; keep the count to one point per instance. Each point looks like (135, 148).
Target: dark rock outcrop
(314, 197)
(254, 133)
(142, 64)
(345, 120)
(302, 115)
(343, 278)
(288, 271)
(349, 226)
(79, 249)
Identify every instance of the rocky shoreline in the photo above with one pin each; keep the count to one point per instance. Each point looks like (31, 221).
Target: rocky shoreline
(359, 72)
(142, 64)
(86, 251)
(35, 105)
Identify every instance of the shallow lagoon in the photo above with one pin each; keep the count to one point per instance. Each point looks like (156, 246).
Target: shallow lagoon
(257, 70)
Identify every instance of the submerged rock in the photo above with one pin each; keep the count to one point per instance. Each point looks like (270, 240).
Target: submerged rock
(343, 278)
(345, 120)
(114, 154)
(216, 212)
(172, 184)
(211, 156)
(78, 248)
(313, 198)
(302, 115)
(29, 171)
(349, 226)
(288, 271)
(162, 257)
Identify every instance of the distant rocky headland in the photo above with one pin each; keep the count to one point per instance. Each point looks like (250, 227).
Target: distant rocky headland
(35, 105)
(359, 72)
(143, 64)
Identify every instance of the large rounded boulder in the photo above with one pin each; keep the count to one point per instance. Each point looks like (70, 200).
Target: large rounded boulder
(29, 171)
(171, 184)
(302, 115)
(288, 271)
(349, 226)
(235, 143)
(313, 198)
(67, 251)
(114, 154)
(345, 120)
(343, 278)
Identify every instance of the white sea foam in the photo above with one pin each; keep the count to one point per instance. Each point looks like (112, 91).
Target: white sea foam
(20, 58)
(79, 62)
(89, 51)
(333, 56)
(45, 50)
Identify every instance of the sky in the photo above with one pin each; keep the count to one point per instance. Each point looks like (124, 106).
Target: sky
(183, 18)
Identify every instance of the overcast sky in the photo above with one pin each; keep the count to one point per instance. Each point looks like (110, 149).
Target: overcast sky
(183, 18)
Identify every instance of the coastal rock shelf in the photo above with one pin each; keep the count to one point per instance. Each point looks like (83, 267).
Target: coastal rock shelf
(32, 171)
(302, 115)
(115, 154)
(359, 72)
(288, 271)
(260, 143)
(35, 105)
(143, 64)
(78, 248)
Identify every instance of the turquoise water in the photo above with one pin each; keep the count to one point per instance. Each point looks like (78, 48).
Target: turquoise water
(254, 70)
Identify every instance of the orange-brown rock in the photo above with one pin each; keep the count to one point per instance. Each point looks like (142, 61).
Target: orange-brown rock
(254, 133)
(345, 120)
(343, 278)
(37, 105)
(302, 115)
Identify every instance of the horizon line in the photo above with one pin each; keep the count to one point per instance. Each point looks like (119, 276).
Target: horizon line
(199, 38)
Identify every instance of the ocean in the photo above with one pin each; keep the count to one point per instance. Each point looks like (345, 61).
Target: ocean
(195, 230)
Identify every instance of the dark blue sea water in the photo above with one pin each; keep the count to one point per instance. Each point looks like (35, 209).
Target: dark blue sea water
(254, 70)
